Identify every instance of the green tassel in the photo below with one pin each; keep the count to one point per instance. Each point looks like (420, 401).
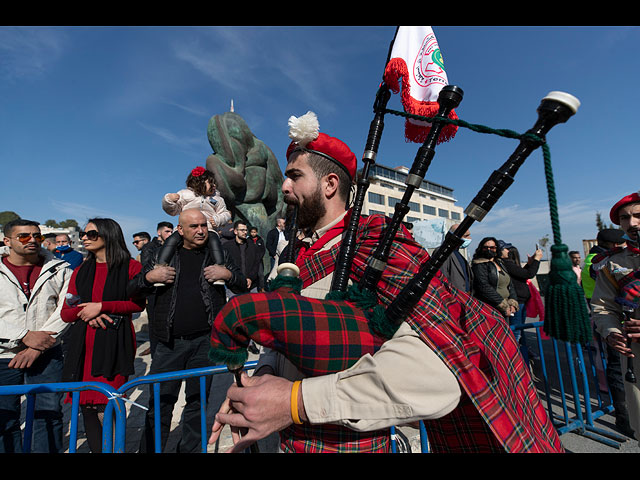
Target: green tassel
(336, 296)
(379, 323)
(566, 315)
(294, 284)
(225, 357)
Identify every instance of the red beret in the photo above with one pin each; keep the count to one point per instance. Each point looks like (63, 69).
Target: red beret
(631, 198)
(305, 134)
(332, 148)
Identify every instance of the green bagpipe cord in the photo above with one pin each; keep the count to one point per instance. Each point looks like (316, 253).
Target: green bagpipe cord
(565, 307)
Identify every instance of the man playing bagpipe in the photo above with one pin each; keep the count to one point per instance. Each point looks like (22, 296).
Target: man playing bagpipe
(616, 297)
(453, 363)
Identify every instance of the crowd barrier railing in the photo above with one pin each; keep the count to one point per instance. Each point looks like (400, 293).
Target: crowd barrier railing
(115, 415)
(582, 383)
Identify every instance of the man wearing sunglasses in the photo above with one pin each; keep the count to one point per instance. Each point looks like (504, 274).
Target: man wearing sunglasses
(33, 284)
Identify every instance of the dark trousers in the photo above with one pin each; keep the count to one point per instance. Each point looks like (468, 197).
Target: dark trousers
(613, 374)
(177, 354)
(47, 424)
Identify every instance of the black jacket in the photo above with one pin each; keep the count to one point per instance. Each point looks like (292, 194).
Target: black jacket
(272, 241)
(519, 276)
(485, 282)
(454, 268)
(149, 252)
(258, 242)
(214, 296)
(253, 258)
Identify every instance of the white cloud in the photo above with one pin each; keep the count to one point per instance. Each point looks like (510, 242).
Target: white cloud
(252, 59)
(182, 142)
(83, 212)
(524, 226)
(194, 110)
(29, 51)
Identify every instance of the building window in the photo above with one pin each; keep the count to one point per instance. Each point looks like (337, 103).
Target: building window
(412, 219)
(392, 201)
(376, 198)
(443, 213)
(376, 212)
(428, 209)
(414, 207)
(455, 216)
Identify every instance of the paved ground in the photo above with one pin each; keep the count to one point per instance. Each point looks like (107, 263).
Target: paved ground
(577, 441)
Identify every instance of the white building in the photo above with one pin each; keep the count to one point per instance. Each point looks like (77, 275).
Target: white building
(76, 244)
(432, 200)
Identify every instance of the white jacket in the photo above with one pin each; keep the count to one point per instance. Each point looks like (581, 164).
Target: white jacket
(39, 312)
(214, 207)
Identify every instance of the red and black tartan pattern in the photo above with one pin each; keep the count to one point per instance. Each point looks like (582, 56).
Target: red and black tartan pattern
(317, 336)
(499, 409)
(332, 439)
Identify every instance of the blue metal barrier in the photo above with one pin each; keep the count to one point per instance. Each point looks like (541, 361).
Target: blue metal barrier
(117, 412)
(578, 375)
(156, 379)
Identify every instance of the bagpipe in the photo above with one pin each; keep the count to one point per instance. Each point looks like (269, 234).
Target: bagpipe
(327, 336)
(629, 302)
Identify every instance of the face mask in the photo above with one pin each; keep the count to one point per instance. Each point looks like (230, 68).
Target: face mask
(488, 254)
(63, 248)
(466, 243)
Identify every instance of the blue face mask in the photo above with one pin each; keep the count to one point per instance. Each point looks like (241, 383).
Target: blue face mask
(466, 243)
(63, 248)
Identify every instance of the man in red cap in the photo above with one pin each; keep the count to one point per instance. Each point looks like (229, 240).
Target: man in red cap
(616, 296)
(423, 372)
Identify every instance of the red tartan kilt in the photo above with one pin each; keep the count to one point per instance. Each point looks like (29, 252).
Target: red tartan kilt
(318, 336)
(462, 431)
(329, 438)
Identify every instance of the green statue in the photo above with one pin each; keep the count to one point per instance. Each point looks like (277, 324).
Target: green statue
(247, 173)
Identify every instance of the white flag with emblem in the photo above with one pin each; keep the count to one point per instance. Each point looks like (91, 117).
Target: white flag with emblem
(416, 65)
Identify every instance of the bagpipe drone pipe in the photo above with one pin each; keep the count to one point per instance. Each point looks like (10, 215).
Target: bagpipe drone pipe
(327, 336)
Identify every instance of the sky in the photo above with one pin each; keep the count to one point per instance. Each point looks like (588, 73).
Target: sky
(103, 121)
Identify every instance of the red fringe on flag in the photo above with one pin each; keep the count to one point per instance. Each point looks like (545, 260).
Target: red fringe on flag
(396, 69)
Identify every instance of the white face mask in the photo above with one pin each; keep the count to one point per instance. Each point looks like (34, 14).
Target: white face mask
(466, 243)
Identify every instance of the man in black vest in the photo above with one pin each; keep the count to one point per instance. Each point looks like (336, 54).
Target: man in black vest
(183, 313)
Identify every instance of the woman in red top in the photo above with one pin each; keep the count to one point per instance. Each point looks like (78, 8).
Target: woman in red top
(102, 337)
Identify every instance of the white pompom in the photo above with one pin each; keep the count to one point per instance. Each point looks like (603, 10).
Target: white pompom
(304, 129)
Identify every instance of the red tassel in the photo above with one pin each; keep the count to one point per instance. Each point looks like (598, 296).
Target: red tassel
(396, 70)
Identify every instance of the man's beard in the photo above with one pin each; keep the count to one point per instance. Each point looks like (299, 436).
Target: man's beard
(310, 211)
